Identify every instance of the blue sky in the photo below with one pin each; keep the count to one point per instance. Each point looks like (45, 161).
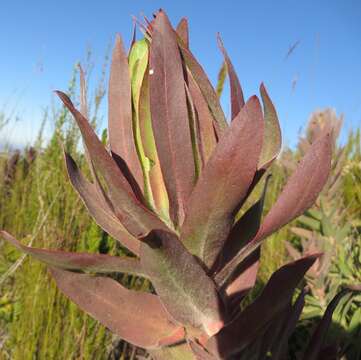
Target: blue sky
(42, 40)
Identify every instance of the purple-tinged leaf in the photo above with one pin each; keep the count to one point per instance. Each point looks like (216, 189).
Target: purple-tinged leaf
(206, 88)
(183, 31)
(223, 184)
(243, 280)
(170, 116)
(136, 218)
(99, 208)
(136, 317)
(84, 111)
(319, 336)
(299, 193)
(207, 136)
(277, 293)
(272, 132)
(293, 313)
(120, 124)
(99, 263)
(194, 129)
(302, 188)
(187, 293)
(237, 100)
(242, 232)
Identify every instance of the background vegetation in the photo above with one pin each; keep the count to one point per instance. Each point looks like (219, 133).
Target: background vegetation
(39, 206)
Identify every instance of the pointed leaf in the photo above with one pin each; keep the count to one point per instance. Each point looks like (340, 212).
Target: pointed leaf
(98, 208)
(299, 193)
(319, 336)
(207, 89)
(292, 316)
(277, 293)
(134, 216)
(242, 232)
(242, 281)
(207, 136)
(221, 79)
(99, 263)
(120, 124)
(136, 317)
(170, 116)
(237, 100)
(187, 292)
(84, 111)
(223, 184)
(272, 132)
(183, 31)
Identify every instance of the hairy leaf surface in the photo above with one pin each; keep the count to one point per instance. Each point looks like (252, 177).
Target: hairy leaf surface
(170, 116)
(136, 317)
(277, 293)
(98, 208)
(223, 184)
(99, 263)
(187, 292)
(137, 219)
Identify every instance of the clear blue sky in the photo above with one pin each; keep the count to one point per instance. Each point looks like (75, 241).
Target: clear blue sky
(41, 40)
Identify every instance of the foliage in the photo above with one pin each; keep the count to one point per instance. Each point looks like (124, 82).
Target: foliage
(174, 190)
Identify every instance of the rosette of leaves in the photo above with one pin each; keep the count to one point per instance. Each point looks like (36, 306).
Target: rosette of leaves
(169, 189)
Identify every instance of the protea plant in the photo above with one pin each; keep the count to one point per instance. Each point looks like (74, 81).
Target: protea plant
(170, 189)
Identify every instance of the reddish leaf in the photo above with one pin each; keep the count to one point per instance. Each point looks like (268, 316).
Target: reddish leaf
(206, 88)
(98, 208)
(243, 280)
(183, 31)
(277, 293)
(319, 336)
(120, 125)
(242, 232)
(292, 315)
(170, 116)
(237, 100)
(187, 292)
(272, 132)
(99, 263)
(299, 194)
(136, 317)
(134, 216)
(302, 188)
(223, 184)
(84, 111)
(207, 136)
